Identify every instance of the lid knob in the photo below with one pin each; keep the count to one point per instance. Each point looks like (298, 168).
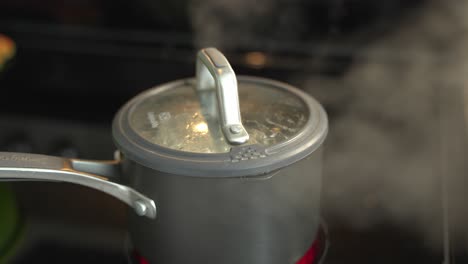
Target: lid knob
(214, 72)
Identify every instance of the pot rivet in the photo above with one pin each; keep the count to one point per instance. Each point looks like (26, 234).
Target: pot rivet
(236, 129)
(140, 208)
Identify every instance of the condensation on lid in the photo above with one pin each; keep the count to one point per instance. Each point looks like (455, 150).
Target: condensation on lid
(175, 118)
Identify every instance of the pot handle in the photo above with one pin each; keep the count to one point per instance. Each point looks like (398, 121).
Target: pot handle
(99, 175)
(213, 71)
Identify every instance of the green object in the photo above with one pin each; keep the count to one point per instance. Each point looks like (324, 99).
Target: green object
(9, 220)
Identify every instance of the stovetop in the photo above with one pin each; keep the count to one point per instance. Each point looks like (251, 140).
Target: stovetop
(391, 77)
(66, 223)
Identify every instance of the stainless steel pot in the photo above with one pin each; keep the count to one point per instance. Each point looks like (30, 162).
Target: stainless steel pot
(214, 189)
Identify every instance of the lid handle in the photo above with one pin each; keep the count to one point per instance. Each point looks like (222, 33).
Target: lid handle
(214, 72)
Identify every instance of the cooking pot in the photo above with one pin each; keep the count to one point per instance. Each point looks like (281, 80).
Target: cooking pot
(211, 187)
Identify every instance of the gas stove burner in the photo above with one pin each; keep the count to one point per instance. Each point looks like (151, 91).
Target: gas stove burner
(314, 255)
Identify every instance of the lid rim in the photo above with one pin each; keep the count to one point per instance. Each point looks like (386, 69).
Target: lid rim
(161, 158)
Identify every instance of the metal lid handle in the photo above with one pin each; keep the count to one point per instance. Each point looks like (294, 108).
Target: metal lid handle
(214, 72)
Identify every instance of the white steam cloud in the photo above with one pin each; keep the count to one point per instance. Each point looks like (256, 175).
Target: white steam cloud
(396, 146)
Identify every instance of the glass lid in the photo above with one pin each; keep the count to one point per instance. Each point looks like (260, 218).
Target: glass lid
(185, 118)
(217, 125)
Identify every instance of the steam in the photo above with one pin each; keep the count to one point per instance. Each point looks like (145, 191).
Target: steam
(221, 23)
(389, 154)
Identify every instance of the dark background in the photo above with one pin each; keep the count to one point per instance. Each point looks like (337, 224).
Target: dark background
(384, 70)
